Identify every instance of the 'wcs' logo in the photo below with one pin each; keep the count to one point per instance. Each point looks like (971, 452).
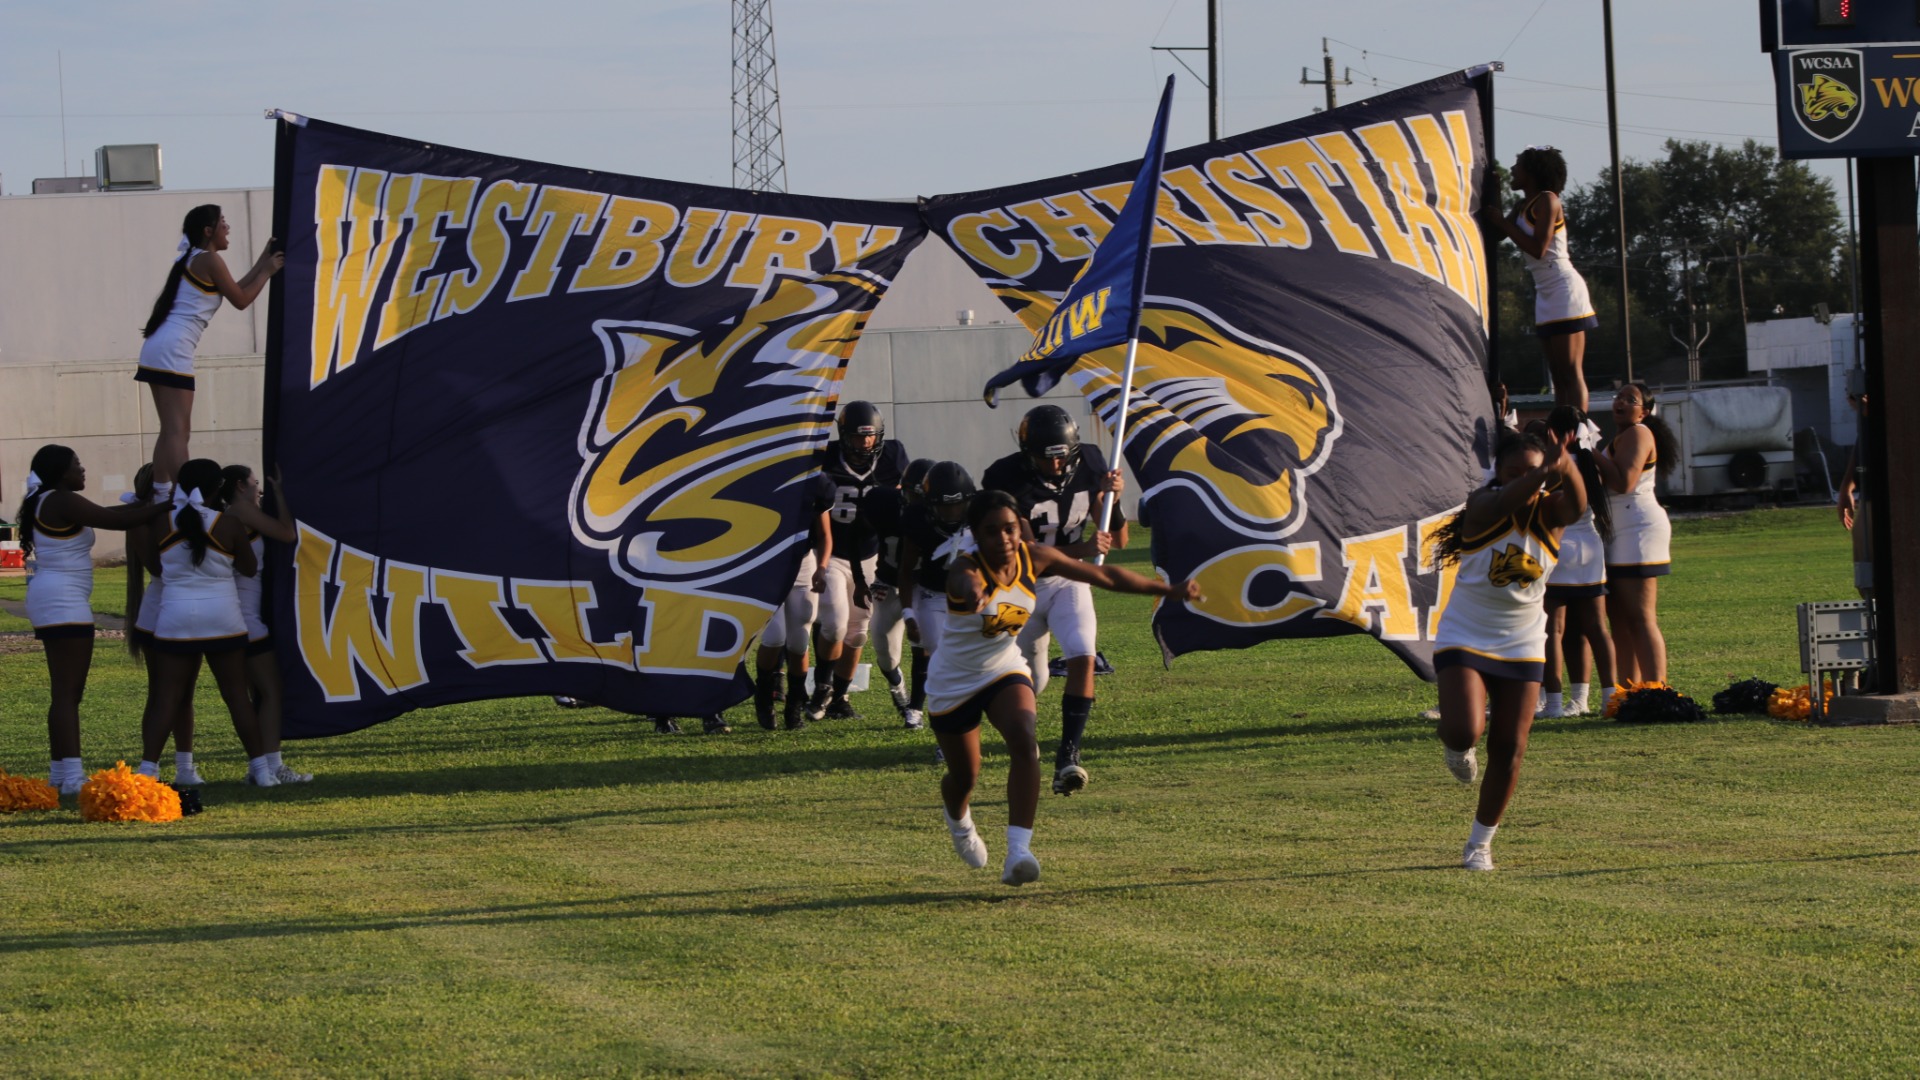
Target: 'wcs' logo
(1514, 567)
(1237, 420)
(696, 440)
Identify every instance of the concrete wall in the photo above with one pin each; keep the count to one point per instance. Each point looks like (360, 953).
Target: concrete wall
(70, 321)
(1812, 360)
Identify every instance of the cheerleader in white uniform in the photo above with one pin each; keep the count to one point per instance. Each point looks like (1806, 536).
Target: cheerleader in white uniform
(145, 588)
(196, 284)
(1637, 554)
(1577, 588)
(1492, 638)
(1562, 312)
(240, 491)
(979, 672)
(56, 529)
(200, 615)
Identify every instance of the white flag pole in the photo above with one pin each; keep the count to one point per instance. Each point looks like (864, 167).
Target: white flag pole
(1119, 439)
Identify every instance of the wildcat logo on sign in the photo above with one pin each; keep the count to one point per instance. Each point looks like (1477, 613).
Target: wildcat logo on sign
(1830, 87)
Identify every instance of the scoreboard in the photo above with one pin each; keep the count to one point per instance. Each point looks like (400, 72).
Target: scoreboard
(1846, 76)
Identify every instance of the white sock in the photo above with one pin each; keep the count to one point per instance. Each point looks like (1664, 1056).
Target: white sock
(76, 772)
(183, 759)
(961, 825)
(1606, 696)
(260, 766)
(1578, 699)
(275, 759)
(148, 768)
(1482, 835)
(1017, 840)
(1552, 701)
(56, 771)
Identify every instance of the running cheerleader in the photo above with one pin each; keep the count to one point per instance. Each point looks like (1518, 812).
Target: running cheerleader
(1637, 553)
(978, 670)
(1492, 639)
(1577, 588)
(1562, 313)
(200, 615)
(240, 493)
(195, 286)
(56, 528)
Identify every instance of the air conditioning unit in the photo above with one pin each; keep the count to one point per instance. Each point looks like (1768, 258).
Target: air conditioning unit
(1733, 439)
(128, 167)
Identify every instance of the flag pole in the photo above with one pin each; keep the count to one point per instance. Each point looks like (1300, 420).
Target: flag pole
(1119, 437)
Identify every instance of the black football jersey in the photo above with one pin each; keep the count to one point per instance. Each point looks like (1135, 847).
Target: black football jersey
(1066, 516)
(882, 509)
(938, 543)
(853, 539)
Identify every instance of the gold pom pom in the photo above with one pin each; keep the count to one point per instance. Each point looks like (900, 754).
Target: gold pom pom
(19, 793)
(120, 794)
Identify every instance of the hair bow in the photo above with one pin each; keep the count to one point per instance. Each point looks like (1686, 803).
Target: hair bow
(34, 483)
(184, 246)
(129, 497)
(184, 497)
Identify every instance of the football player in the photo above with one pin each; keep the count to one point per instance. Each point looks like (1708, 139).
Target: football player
(932, 531)
(884, 510)
(860, 461)
(787, 630)
(1058, 485)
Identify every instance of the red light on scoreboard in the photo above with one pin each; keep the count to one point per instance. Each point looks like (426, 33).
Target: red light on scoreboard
(1834, 13)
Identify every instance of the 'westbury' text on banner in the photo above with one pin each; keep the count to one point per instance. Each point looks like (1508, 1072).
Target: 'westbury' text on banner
(545, 430)
(1310, 404)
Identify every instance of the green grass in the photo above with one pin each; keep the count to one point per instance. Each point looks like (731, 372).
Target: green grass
(1262, 880)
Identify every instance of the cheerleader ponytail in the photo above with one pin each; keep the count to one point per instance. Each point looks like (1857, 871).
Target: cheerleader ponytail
(1666, 447)
(1566, 420)
(197, 486)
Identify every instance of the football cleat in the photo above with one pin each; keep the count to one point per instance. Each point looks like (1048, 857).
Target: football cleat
(916, 719)
(841, 709)
(666, 725)
(715, 725)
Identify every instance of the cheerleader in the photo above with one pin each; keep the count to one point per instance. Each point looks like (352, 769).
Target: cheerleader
(1492, 638)
(56, 529)
(1577, 588)
(196, 284)
(1562, 313)
(145, 587)
(1637, 555)
(240, 493)
(979, 672)
(200, 616)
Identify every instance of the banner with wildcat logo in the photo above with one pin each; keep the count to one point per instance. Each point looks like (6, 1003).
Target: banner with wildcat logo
(1311, 402)
(544, 429)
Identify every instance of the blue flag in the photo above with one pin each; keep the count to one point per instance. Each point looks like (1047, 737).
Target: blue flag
(1102, 307)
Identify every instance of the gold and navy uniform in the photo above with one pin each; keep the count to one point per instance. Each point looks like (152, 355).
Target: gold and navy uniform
(979, 649)
(791, 621)
(1642, 536)
(1560, 303)
(1064, 514)
(200, 611)
(852, 539)
(1496, 619)
(166, 358)
(60, 593)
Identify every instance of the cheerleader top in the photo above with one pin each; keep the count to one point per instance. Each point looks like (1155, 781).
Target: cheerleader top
(57, 551)
(195, 301)
(213, 574)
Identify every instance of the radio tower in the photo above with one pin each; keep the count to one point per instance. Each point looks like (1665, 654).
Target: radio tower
(759, 151)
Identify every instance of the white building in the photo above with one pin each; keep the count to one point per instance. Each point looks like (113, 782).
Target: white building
(82, 272)
(1811, 359)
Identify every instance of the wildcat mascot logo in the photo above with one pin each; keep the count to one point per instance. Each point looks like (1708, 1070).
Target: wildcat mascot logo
(695, 441)
(1237, 420)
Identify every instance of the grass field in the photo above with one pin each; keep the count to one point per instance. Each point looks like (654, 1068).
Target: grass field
(1261, 880)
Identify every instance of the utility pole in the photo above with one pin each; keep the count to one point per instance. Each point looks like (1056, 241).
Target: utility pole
(1212, 78)
(1619, 193)
(1690, 342)
(759, 149)
(1327, 79)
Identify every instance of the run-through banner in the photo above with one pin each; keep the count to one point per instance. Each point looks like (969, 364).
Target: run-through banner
(545, 430)
(1310, 403)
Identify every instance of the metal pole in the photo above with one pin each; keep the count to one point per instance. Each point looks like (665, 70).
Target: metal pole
(1213, 70)
(1119, 438)
(1619, 192)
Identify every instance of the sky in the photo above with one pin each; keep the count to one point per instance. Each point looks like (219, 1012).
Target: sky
(879, 98)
